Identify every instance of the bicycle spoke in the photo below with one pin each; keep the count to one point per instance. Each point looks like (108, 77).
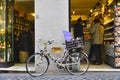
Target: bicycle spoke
(37, 68)
(77, 64)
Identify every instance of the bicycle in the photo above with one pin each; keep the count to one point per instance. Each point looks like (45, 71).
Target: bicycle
(74, 61)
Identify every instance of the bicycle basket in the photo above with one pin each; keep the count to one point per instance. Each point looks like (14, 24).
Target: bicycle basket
(73, 44)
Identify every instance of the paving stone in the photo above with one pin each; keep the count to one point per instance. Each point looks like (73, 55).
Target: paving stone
(87, 76)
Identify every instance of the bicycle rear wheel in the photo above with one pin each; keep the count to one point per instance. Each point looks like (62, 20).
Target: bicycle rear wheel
(77, 63)
(37, 65)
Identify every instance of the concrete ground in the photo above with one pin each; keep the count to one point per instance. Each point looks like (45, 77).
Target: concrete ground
(95, 72)
(88, 76)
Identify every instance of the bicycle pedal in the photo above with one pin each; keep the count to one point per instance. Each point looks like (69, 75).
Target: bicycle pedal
(59, 66)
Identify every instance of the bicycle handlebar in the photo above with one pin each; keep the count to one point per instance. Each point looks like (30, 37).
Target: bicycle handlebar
(46, 43)
(50, 42)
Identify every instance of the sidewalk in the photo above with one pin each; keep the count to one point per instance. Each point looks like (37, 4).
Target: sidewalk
(87, 76)
(95, 72)
(53, 67)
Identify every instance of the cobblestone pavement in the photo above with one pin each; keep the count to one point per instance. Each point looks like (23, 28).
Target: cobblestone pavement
(87, 76)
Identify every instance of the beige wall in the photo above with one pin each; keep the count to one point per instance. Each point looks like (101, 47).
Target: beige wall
(51, 18)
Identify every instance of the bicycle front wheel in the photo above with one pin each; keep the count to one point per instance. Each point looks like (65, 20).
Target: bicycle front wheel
(37, 65)
(77, 63)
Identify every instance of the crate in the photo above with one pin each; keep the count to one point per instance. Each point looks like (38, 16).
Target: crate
(74, 44)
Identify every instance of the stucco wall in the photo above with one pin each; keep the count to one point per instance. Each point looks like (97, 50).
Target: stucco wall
(51, 18)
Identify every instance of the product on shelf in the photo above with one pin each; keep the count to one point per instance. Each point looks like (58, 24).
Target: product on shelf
(117, 62)
(117, 31)
(117, 41)
(87, 35)
(117, 36)
(117, 51)
(117, 21)
(117, 11)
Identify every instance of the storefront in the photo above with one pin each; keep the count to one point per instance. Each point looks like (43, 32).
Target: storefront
(12, 22)
(105, 8)
(50, 21)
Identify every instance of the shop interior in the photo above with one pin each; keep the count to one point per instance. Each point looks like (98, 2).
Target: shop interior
(86, 9)
(24, 17)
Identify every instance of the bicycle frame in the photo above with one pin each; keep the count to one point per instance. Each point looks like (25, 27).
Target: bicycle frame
(58, 61)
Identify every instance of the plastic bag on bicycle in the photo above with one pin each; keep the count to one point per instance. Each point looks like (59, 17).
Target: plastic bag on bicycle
(74, 50)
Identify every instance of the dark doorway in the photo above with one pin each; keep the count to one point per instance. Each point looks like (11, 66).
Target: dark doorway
(23, 19)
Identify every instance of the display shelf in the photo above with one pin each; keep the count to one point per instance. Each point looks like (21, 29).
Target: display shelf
(117, 36)
(108, 39)
(108, 34)
(110, 60)
(19, 23)
(108, 21)
(112, 51)
(109, 50)
(6, 32)
(108, 28)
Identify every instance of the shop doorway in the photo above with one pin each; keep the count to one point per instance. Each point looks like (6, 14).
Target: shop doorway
(81, 10)
(23, 20)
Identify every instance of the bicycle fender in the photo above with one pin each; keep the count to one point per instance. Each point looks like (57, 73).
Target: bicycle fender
(47, 59)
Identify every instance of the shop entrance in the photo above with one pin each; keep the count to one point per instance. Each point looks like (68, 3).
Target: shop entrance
(104, 13)
(23, 30)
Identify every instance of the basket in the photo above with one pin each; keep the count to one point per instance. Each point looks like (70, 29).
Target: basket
(23, 56)
(73, 44)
